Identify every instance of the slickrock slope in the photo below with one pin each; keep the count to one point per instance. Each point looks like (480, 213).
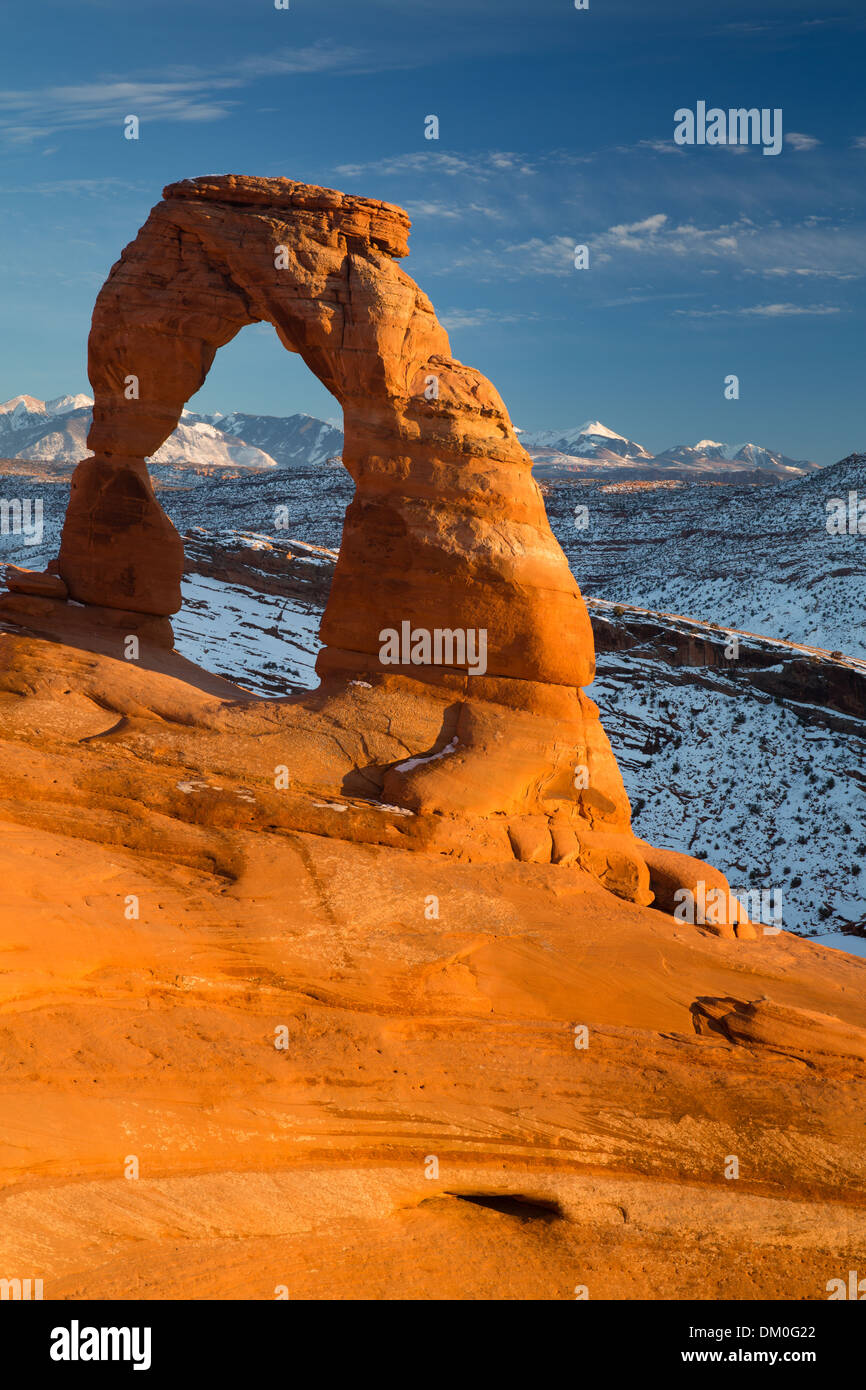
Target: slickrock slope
(360, 993)
(431, 1006)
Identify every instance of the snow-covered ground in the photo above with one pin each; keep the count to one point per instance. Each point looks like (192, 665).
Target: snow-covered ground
(726, 772)
(758, 559)
(266, 646)
(769, 791)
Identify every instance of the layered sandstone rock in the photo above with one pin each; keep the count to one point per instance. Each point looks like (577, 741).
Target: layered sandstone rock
(445, 543)
(404, 872)
(21, 581)
(447, 528)
(473, 718)
(581, 1068)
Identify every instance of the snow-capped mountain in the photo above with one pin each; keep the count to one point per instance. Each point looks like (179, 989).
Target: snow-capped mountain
(707, 453)
(591, 440)
(56, 432)
(289, 439)
(20, 409)
(596, 451)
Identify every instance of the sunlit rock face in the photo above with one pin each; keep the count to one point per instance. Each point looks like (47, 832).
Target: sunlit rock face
(446, 544)
(375, 982)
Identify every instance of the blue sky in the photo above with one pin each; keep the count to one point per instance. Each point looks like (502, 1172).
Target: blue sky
(556, 128)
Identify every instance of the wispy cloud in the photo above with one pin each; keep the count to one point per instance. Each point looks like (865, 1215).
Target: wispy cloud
(805, 272)
(93, 188)
(764, 311)
(480, 166)
(788, 25)
(634, 235)
(798, 141)
(658, 235)
(655, 146)
(185, 93)
(480, 318)
(450, 212)
(536, 256)
(811, 248)
(634, 297)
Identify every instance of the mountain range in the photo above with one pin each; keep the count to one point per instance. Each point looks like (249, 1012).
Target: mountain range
(593, 450)
(55, 432)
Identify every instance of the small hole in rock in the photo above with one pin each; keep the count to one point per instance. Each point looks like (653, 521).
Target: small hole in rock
(513, 1204)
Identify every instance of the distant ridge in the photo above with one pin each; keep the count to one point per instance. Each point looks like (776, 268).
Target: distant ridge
(55, 431)
(595, 450)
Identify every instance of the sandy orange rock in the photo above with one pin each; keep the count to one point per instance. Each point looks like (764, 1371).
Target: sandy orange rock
(446, 534)
(708, 900)
(410, 1033)
(447, 527)
(442, 893)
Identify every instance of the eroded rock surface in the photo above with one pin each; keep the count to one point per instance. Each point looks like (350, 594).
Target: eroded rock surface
(169, 916)
(445, 543)
(426, 880)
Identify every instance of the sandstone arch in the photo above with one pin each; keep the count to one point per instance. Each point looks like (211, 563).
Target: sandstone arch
(447, 529)
(446, 520)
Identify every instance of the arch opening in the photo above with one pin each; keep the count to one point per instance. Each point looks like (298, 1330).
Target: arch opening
(259, 539)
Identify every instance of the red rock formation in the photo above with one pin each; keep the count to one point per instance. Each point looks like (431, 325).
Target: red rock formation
(196, 906)
(447, 523)
(447, 531)
(543, 1039)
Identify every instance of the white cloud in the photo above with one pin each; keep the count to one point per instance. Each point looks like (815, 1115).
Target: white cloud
(483, 166)
(449, 211)
(766, 311)
(96, 188)
(188, 93)
(454, 319)
(542, 256)
(827, 249)
(804, 272)
(777, 311)
(633, 234)
(797, 141)
(656, 146)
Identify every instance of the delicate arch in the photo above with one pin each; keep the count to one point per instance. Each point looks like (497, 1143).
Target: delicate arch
(447, 528)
